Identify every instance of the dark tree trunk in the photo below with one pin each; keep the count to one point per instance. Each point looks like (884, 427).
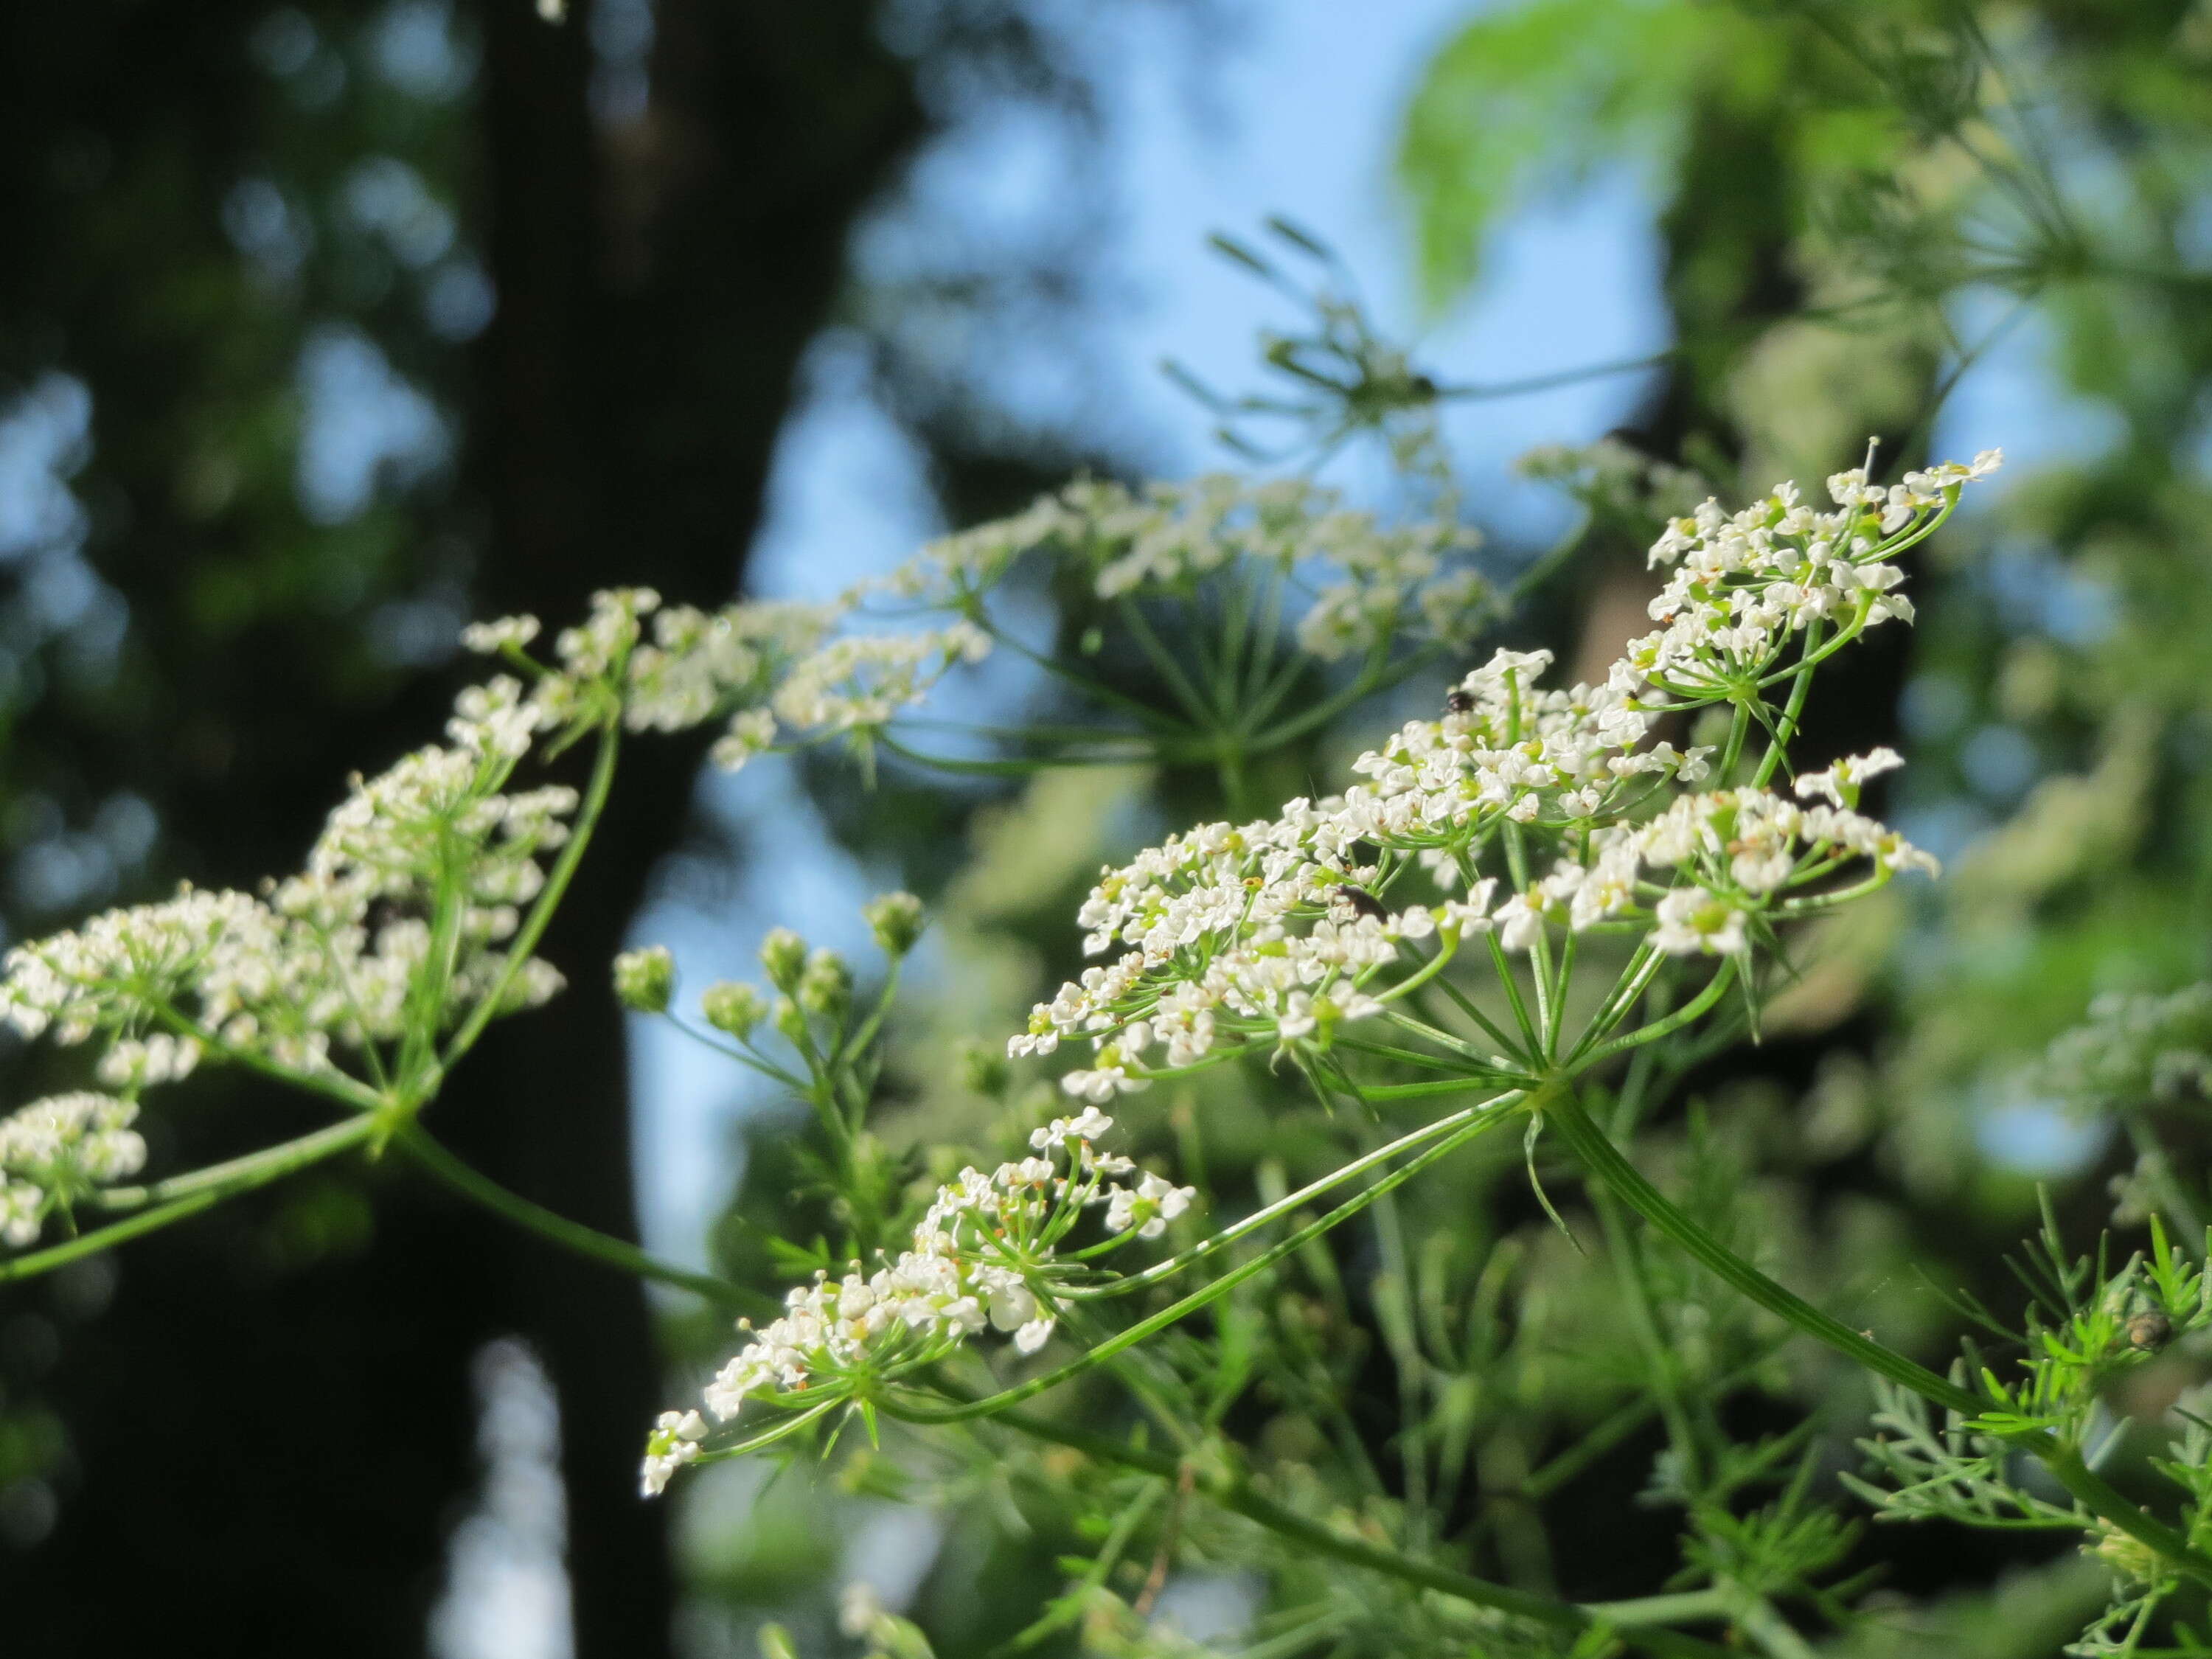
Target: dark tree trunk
(654, 302)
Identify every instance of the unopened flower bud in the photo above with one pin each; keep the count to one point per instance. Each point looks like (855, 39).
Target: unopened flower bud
(732, 1006)
(826, 987)
(2150, 1331)
(2131, 1557)
(896, 921)
(643, 979)
(984, 1069)
(783, 953)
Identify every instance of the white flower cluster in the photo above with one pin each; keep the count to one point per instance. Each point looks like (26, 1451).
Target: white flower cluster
(1742, 585)
(1281, 929)
(2133, 1051)
(1270, 931)
(781, 671)
(53, 1151)
(346, 953)
(133, 1063)
(1372, 582)
(859, 682)
(762, 667)
(440, 818)
(699, 660)
(1615, 479)
(983, 1254)
(775, 671)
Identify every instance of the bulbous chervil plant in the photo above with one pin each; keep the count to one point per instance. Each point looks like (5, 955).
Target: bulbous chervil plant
(1529, 911)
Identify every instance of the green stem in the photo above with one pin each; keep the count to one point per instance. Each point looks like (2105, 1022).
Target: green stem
(1378, 674)
(541, 913)
(1098, 690)
(1689, 1011)
(1162, 659)
(1547, 563)
(1738, 725)
(1845, 635)
(188, 1195)
(1260, 664)
(1436, 1034)
(1267, 697)
(1023, 767)
(572, 1236)
(1760, 1621)
(1636, 1288)
(1210, 672)
(1635, 978)
(335, 1086)
(1235, 621)
(1466, 1005)
(1235, 1493)
(1560, 985)
(1787, 727)
(1602, 1158)
(1341, 1044)
(1557, 377)
(1505, 978)
(379, 1078)
(1304, 1195)
(427, 995)
(1236, 784)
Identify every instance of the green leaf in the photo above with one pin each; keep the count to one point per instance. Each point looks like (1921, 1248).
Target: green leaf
(1553, 88)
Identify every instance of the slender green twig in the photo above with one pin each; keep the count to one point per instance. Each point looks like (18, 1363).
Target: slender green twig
(1786, 727)
(1292, 1201)
(1194, 705)
(1098, 690)
(1637, 1622)
(549, 898)
(1476, 392)
(572, 1236)
(1667, 1025)
(185, 1195)
(1378, 674)
(332, 1084)
(430, 987)
(1394, 1305)
(1013, 767)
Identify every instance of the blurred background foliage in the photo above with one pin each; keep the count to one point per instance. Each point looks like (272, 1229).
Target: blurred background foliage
(325, 326)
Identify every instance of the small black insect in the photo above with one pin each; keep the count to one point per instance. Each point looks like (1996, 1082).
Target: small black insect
(1458, 701)
(2148, 1332)
(1362, 901)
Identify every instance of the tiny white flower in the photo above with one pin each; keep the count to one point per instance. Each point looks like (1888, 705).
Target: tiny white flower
(489, 638)
(1692, 920)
